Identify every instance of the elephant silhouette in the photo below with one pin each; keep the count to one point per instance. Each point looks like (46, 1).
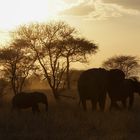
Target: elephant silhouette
(25, 100)
(93, 85)
(125, 90)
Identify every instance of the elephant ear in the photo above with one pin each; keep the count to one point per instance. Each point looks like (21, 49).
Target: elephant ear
(116, 76)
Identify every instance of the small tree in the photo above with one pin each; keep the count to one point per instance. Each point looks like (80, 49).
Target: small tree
(128, 64)
(16, 62)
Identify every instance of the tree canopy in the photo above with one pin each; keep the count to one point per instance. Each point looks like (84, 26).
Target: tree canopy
(128, 64)
(16, 63)
(55, 45)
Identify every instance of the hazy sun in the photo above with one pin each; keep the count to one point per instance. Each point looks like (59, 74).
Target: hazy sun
(16, 12)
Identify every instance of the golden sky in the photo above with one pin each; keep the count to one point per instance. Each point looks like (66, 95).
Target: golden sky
(113, 24)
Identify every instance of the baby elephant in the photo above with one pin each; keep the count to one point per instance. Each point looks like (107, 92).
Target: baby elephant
(25, 100)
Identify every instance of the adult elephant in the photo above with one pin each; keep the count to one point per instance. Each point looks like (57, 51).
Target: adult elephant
(25, 100)
(93, 84)
(125, 91)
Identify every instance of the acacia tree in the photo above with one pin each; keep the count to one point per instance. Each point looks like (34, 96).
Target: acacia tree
(44, 40)
(52, 43)
(16, 63)
(76, 50)
(128, 64)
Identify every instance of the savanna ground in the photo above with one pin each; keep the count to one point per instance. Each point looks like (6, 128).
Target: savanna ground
(66, 120)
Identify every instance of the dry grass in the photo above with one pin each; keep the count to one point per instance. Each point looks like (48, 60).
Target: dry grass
(65, 120)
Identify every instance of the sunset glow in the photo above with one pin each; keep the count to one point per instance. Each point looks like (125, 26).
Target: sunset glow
(16, 12)
(113, 24)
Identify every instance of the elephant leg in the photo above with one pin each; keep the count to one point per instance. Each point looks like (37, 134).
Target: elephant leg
(114, 105)
(46, 104)
(35, 108)
(46, 107)
(124, 103)
(131, 101)
(94, 105)
(84, 104)
(102, 102)
(17, 110)
(111, 105)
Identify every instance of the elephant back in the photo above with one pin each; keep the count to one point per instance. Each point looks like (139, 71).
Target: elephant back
(92, 75)
(22, 100)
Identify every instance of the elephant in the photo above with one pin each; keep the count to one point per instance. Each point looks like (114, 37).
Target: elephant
(124, 91)
(25, 100)
(93, 84)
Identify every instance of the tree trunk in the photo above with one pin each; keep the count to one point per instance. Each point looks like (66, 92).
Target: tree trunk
(13, 86)
(55, 93)
(68, 74)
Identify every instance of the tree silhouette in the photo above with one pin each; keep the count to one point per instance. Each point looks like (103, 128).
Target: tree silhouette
(76, 50)
(17, 63)
(55, 45)
(128, 64)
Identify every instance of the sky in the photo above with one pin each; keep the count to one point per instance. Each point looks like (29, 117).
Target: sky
(114, 25)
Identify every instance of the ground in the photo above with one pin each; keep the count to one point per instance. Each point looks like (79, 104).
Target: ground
(66, 120)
